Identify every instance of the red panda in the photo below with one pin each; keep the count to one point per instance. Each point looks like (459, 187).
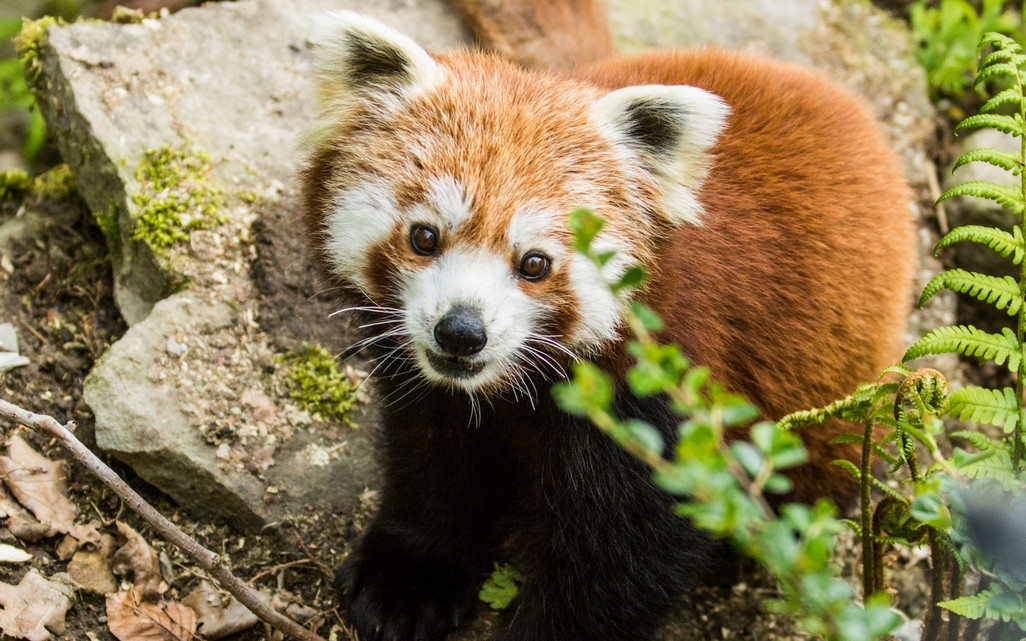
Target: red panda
(762, 200)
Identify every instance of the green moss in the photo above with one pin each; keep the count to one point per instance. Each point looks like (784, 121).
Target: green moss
(56, 184)
(29, 42)
(14, 184)
(176, 195)
(319, 386)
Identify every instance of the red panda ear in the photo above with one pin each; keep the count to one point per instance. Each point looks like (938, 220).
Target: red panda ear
(671, 128)
(358, 58)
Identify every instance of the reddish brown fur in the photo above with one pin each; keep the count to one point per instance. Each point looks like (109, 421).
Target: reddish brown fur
(540, 34)
(796, 288)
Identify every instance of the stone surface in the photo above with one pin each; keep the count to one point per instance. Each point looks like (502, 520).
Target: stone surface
(208, 316)
(192, 397)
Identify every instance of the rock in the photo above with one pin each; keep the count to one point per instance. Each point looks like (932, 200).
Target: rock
(207, 105)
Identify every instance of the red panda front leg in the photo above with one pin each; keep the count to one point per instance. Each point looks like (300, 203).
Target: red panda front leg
(415, 572)
(605, 555)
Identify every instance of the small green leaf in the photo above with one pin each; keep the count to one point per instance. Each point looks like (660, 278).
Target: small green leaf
(631, 279)
(590, 389)
(585, 226)
(649, 319)
(501, 587)
(747, 456)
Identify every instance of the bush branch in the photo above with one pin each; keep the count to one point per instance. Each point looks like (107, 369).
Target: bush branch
(203, 557)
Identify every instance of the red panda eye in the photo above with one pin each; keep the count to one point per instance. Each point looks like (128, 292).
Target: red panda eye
(424, 239)
(535, 266)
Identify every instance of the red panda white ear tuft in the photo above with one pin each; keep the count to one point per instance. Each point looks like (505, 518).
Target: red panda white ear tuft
(358, 57)
(671, 128)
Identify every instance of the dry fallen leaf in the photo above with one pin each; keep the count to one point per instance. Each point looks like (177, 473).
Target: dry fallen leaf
(136, 556)
(21, 524)
(39, 484)
(35, 607)
(90, 568)
(132, 619)
(11, 554)
(218, 614)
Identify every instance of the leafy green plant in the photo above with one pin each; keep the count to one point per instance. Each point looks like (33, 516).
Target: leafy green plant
(726, 480)
(15, 95)
(1000, 459)
(949, 31)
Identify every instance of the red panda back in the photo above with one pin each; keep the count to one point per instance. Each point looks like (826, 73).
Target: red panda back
(795, 287)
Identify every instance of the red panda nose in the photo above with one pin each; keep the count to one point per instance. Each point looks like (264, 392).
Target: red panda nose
(461, 332)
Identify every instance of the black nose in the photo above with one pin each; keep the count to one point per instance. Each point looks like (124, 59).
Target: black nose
(461, 332)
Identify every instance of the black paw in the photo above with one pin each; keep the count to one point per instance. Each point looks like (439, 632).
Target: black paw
(388, 594)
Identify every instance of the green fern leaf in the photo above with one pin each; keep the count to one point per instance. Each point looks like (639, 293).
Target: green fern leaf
(999, 240)
(1007, 97)
(1002, 292)
(970, 607)
(990, 464)
(979, 440)
(999, 55)
(847, 439)
(982, 405)
(996, 70)
(1005, 124)
(999, 41)
(968, 341)
(1008, 161)
(1008, 196)
(849, 467)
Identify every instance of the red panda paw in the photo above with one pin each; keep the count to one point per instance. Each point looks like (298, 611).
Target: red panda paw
(388, 594)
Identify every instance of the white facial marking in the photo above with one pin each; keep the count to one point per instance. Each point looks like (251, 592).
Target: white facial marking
(600, 310)
(448, 204)
(536, 228)
(476, 279)
(361, 217)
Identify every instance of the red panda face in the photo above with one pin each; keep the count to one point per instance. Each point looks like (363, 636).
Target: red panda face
(444, 188)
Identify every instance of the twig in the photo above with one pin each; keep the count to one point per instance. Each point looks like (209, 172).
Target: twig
(203, 557)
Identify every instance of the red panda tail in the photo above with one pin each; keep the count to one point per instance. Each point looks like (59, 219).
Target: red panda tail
(540, 34)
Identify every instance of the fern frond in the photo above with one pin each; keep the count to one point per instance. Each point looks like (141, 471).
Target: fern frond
(991, 464)
(999, 41)
(1008, 161)
(847, 439)
(852, 469)
(1002, 292)
(998, 55)
(982, 405)
(970, 607)
(999, 240)
(1008, 196)
(996, 70)
(968, 341)
(1007, 97)
(852, 408)
(979, 440)
(1006, 124)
